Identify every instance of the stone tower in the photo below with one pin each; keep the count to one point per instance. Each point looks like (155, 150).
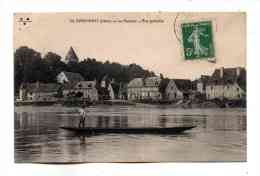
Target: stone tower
(71, 56)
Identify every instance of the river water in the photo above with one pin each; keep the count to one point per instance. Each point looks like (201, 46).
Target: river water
(220, 135)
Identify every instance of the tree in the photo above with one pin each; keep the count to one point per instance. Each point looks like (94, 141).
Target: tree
(59, 93)
(31, 67)
(53, 65)
(28, 66)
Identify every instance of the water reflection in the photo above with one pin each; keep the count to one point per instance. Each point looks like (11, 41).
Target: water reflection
(162, 122)
(219, 136)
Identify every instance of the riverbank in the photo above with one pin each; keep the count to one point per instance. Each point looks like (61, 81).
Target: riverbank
(196, 103)
(73, 103)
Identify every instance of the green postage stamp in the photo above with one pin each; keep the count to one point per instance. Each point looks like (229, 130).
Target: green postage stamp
(197, 40)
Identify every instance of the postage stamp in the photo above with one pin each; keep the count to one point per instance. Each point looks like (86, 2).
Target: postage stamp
(197, 40)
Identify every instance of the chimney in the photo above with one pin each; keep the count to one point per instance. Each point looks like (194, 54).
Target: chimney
(221, 72)
(238, 71)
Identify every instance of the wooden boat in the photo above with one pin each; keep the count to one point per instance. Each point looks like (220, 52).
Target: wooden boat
(146, 130)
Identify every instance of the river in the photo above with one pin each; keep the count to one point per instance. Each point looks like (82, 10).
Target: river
(220, 135)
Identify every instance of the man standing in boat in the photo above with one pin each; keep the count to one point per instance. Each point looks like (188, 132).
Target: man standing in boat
(83, 115)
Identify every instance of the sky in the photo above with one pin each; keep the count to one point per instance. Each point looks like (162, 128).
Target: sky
(148, 39)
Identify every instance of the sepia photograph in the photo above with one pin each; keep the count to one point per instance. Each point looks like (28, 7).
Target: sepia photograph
(130, 87)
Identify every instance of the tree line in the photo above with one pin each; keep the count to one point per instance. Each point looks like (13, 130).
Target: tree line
(30, 66)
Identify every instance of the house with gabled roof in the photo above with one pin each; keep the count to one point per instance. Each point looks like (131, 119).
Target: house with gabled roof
(69, 77)
(134, 89)
(178, 89)
(229, 83)
(144, 88)
(84, 90)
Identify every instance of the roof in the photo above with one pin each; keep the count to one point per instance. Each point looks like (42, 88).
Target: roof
(145, 82)
(183, 85)
(152, 81)
(204, 78)
(136, 82)
(230, 76)
(41, 87)
(73, 77)
(71, 56)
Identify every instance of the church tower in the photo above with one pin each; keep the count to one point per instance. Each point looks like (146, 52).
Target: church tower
(71, 56)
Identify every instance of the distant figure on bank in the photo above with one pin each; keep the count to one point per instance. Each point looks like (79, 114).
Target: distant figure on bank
(83, 115)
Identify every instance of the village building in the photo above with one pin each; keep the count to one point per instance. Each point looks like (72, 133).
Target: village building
(107, 86)
(69, 77)
(71, 56)
(38, 92)
(228, 83)
(201, 84)
(144, 88)
(178, 89)
(83, 90)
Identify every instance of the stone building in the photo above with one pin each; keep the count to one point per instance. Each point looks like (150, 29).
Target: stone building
(83, 90)
(178, 89)
(229, 83)
(71, 56)
(144, 88)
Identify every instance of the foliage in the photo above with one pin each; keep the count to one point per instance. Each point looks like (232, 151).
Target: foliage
(30, 67)
(59, 93)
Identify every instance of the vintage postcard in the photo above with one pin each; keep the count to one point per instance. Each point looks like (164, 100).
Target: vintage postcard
(130, 87)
